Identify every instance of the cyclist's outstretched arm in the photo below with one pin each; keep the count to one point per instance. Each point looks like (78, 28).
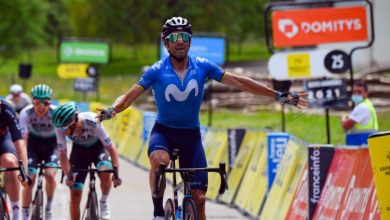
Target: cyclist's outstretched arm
(247, 84)
(125, 100)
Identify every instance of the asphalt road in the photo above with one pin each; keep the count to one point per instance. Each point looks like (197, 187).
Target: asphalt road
(132, 199)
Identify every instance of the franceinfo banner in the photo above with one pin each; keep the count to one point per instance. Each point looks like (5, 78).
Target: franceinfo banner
(211, 48)
(320, 158)
(276, 145)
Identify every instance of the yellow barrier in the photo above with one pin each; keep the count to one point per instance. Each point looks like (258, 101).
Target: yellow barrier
(240, 165)
(215, 152)
(379, 148)
(250, 180)
(258, 194)
(131, 142)
(287, 178)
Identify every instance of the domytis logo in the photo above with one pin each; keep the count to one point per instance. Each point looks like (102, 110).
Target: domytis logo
(288, 27)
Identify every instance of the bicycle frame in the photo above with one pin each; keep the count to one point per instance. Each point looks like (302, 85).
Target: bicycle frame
(92, 181)
(4, 214)
(39, 191)
(186, 178)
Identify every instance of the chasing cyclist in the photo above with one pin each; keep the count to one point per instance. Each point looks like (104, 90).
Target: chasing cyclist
(40, 137)
(12, 149)
(18, 98)
(91, 144)
(178, 83)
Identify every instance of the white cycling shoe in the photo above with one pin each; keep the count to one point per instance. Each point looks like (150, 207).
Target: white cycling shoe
(105, 213)
(159, 218)
(48, 214)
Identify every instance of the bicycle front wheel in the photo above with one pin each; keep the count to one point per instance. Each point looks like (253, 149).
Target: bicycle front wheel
(93, 210)
(170, 210)
(190, 212)
(3, 208)
(37, 211)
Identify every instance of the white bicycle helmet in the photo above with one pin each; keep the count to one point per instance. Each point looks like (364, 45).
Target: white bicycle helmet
(16, 89)
(176, 24)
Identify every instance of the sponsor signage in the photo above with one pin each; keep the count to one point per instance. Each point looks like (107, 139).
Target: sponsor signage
(276, 145)
(84, 85)
(76, 70)
(211, 48)
(379, 148)
(83, 51)
(298, 65)
(320, 158)
(305, 27)
(328, 93)
(337, 61)
(235, 137)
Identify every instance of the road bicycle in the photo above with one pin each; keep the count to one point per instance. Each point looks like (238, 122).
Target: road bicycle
(172, 209)
(4, 212)
(91, 210)
(37, 204)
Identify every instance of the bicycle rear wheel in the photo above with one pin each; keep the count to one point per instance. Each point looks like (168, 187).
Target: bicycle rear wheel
(170, 210)
(190, 212)
(37, 211)
(93, 210)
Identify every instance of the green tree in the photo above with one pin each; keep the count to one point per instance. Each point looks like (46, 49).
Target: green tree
(21, 27)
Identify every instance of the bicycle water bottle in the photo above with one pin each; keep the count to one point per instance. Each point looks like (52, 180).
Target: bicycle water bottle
(178, 213)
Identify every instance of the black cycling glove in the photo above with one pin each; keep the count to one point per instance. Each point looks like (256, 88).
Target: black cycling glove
(107, 113)
(282, 97)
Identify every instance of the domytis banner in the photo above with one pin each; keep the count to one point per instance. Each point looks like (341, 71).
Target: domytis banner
(305, 27)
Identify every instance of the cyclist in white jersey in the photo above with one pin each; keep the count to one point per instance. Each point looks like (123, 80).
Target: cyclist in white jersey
(91, 144)
(18, 98)
(39, 135)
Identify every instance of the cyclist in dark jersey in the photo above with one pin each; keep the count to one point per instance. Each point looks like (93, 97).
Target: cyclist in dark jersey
(38, 132)
(178, 83)
(12, 149)
(91, 144)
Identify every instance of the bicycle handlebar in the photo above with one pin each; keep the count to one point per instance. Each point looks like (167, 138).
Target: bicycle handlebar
(114, 171)
(22, 173)
(221, 170)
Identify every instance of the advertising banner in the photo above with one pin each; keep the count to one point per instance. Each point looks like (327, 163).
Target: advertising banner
(276, 145)
(379, 148)
(320, 158)
(148, 122)
(209, 47)
(235, 137)
(287, 177)
(336, 184)
(216, 152)
(249, 181)
(240, 165)
(313, 26)
(360, 187)
(84, 51)
(304, 64)
(299, 207)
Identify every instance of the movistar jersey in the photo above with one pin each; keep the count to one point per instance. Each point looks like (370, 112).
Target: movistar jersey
(38, 126)
(178, 100)
(91, 133)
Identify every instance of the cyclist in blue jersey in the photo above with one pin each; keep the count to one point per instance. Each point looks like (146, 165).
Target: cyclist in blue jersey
(12, 149)
(178, 84)
(40, 137)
